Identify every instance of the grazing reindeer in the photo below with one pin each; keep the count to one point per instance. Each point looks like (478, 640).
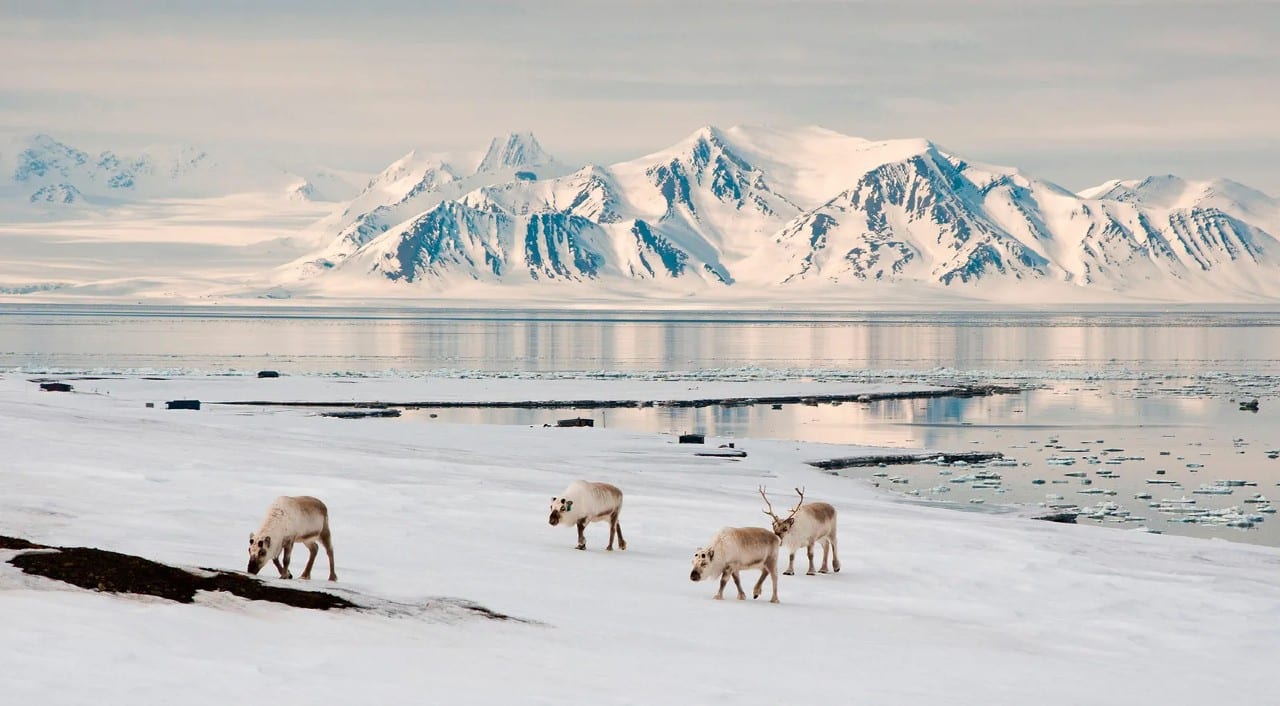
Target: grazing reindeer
(807, 524)
(291, 519)
(584, 502)
(734, 549)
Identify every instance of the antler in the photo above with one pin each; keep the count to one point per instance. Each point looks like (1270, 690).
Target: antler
(768, 512)
(796, 509)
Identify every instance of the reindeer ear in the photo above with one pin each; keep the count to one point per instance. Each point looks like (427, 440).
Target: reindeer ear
(250, 538)
(711, 554)
(568, 504)
(266, 542)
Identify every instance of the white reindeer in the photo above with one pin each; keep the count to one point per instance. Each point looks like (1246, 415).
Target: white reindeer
(805, 526)
(584, 502)
(291, 519)
(735, 549)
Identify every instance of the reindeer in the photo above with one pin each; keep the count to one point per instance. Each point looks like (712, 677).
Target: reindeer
(584, 502)
(734, 549)
(807, 524)
(291, 519)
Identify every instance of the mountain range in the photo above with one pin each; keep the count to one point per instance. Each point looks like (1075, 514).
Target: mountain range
(39, 172)
(761, 211)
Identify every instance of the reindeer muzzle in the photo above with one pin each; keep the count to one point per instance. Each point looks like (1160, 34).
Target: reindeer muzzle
(695, 576)
(555, 519)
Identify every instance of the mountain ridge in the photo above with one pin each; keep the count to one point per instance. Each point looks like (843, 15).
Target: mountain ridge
(763, 208)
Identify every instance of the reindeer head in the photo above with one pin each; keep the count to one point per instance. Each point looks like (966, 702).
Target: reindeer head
(703, 560)
(780, 525)
(259, 553)
(559, 507)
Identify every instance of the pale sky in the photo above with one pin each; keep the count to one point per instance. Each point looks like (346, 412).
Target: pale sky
(1073, 91)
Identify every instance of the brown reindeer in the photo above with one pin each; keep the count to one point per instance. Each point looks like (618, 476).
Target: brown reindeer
(734, 549)
(804, 526)
(291, 519)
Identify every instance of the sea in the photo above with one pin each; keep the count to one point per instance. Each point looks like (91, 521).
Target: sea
(1139, 420)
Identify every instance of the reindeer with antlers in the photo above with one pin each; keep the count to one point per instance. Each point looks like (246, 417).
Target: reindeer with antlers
(803, 527)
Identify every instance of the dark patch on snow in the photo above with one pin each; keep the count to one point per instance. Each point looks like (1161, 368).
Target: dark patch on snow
(112, 572)
(904, 459)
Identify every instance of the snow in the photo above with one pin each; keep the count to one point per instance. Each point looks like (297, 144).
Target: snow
(932, 606)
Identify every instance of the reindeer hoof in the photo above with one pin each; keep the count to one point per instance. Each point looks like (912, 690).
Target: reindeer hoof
(775, 600)
(788, 573)
(622, 546)
(811, 572)
(608, 549)
(305, 577)
(333, 578)
(582, 547)
(837, 569)
(823, 571)
(718, 598)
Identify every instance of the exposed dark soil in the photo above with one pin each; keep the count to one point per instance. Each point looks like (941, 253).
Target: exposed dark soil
(18, 543)
(101, 570)
(967, 391)
(904, 459)
(113, 572)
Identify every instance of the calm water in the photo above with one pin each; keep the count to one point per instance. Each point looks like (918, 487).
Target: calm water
(375, 340)
(1126, 394)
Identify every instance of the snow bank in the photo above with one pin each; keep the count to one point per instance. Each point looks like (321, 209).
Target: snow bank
(932, 606)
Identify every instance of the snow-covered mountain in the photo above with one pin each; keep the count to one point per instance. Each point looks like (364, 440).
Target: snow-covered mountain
(40, 170)
(757, 209)
(417, 183)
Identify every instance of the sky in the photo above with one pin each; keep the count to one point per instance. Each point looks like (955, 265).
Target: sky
(1074, 91)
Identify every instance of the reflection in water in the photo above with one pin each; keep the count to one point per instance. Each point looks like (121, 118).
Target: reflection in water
(1187, 416)
(377, 340)
(1170, 430)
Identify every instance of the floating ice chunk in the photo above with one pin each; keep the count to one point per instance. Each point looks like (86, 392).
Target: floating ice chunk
(1213, 490)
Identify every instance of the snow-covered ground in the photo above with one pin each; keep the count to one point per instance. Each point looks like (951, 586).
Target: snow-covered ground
(932, 606)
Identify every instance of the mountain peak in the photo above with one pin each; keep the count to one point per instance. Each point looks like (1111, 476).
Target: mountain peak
(516, 149)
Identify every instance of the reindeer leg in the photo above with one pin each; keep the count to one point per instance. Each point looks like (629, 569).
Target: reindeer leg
(279, 566)
(791, 565)
(613, 529)
(809, 550)
(311, 560)
(724, 579)
(771, 565)
(327, 540)
(582, 538)
(835, 558)
(617, 526)
(764, 571)
(826, 549)
(288, 554)
(737, 581)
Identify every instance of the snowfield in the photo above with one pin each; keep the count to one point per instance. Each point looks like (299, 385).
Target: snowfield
(932, 606)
